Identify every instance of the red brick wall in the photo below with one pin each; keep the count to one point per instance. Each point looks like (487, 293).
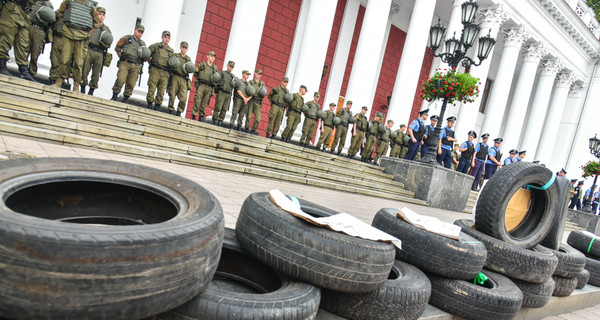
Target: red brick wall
(215, 36)
(425, 68)
(357, 27)
(275, 48)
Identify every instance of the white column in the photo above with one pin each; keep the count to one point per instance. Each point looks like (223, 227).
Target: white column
(535, 122)
(491, 20)
(315, 40)
(494, 113)
(550, 129)
(246, 32)
(297, 44)
(532, 54)
(342, 50)
(411, 61)
(362, 80)
(158, 17)
(568, 126)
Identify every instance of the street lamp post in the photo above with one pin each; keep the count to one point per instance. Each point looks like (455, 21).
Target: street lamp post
(595, 150)
(455, 53)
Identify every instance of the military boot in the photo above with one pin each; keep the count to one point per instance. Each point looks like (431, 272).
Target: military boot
(3, 69)
(200, 118)
(58, 83)
(178, 113)
(149, 105)
(24, 73)
(193, 117)
(125, 99)
(267, 136)
(220, 123)
(156, 106)
(91, 92)
(82, 89)
(114, 96)
(214, 121)
(76, 86)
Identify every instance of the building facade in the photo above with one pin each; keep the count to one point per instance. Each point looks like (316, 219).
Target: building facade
(540, 85)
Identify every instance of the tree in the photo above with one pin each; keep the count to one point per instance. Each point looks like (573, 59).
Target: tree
(595, 5)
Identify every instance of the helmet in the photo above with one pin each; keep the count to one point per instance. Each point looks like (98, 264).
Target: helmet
(106, 38)
(262, 91)
(144, 53)
(188, 67)
(173, 63)
(250, 91)
(336, 120)
(381, 129)
(237, 82)
(215, 78)
(305, 108)
(46, 14)
(320, 114)
(351, 120)
(288, 97)
(394, 134)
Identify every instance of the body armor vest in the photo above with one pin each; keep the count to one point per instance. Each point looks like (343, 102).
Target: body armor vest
(313, 107)
(96, 35)
(182, 60)
(374, 129)
(78, 15)
(421, 132)
(429, 134)
(33, 14)
(345, 116)
(385, 137)
(130, 49)
(467, 154)
(329, 118)
(498, 155)
(256, 86)
(362, 123)
(297, 103)
(205, 71)
(449, 133)
(226, 81)
(161, 55)
(483, 151)
(399, 139)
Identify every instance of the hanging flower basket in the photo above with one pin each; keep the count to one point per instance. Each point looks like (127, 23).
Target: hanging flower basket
(592, 168)
(451, 85)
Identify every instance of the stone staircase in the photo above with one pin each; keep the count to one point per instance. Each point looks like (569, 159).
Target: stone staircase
(471, 202)
(64, 117)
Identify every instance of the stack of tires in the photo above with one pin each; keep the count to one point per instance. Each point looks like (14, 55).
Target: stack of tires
(515, 251)
(589, 245)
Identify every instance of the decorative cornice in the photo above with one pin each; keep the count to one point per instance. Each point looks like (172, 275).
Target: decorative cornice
(394, 9)
(564, 79)
(569, 28)
(576, 89)
(493, 17)
(549, 67)
(533, 52)
(515, 36)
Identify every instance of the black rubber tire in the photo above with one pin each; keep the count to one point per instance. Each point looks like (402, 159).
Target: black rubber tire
(532, 265)
(570, 261)
(563, 287)
(593, 266)
(258, 291)
(403, 296)
(582, 241)
(494, 198)
(501, 300)
(535, 295)
(433, 253)
(316, 255)
(63, 270)
(583, 279)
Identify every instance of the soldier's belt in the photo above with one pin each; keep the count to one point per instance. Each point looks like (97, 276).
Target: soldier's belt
(385, 140)
(206, 83)
(275, 104)
(226, 91)
(95, 48)
(311, 118)
(133, 62)
(296, 111)
(359, 129)
(343, 125)
(330, 126)
(38, 26)
(159, 67)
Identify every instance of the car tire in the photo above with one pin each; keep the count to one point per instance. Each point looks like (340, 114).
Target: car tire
(458, 259)
(317, 255)
(245, 288)
(570, 261)
(87, 238)
(535, 295)
(592, 265)
(532, 265)
(403, 296)
(584, 243)
(582, 279)
(494, 198)
(498, 299)
(563, 287)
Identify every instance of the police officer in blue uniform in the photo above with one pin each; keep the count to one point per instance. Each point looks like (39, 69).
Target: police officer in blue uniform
(512, 158)
(576, 199)
(481, 154)
(521, 156)
(416, 131)
(428, 135)
(447, 139)
(467, 152)
(494, 158)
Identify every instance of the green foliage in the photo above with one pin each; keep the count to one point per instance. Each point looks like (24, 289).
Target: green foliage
(451, 85)
(595, 5)
(592, 168)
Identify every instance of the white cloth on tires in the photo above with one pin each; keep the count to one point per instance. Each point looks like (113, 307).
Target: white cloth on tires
(341, 222)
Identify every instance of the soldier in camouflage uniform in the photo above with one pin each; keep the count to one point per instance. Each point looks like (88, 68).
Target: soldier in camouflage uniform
(254, 106)
(384, 142)
(38, 34)
(398, 142)
(358, 132)
(204, 85)
(278, 106)
(179, 82)
(372, 133)
(224, 90)
(326, 127)
(14, 31)
(56, 50)
(94, 61)
(310, 120)
(130, 64)
(79, 18)
(342, 129)
(159, 70)
(293, 114)
(239, 101)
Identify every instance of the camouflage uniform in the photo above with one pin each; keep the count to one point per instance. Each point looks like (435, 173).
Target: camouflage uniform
(179, 85)
(356, 142)
(94, 61)
(341, 130)
(38, 32)
(130, 65)
(239, 106)
(373, 132)
(159, 73)
(293, 116)
(325, 137)
(278, 106)
(204, 88)
(254, 106)
(224, 89)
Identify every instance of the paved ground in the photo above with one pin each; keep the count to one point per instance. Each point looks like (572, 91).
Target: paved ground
(231, 189)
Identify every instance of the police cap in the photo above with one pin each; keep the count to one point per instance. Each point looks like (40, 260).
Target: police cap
(563, 170)
(485, 136)
(426, 111)
(473, 133)
(513, 151)
(434, 118)
(166, 33)
(580, 183)
(573, 180)
(522, 152)
(453, 118)
(498, 140)
(184, 44)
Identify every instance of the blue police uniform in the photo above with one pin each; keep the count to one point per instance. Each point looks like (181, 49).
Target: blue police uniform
(428, 133)
(446, 157)
(510, 160)
(491, 167)
(480, 156)
(576, 199)
(419, 130)
(465, 157)
(594, 199)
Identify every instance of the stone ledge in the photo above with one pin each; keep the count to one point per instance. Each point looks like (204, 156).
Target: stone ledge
(585, 220)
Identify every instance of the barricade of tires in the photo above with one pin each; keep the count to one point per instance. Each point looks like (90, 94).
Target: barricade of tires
(589, 245)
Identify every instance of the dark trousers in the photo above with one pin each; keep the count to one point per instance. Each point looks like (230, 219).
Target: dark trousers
(424, 150)
(476, 172)
(595, 207)
(445, 158)
(413, 148)
(490, 169)
(575, 202)
(463, 165)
